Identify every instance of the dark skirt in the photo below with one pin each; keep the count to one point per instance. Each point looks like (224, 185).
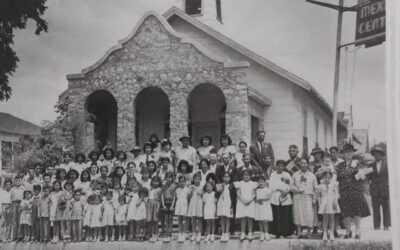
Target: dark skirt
(353, 203)
(282, 224)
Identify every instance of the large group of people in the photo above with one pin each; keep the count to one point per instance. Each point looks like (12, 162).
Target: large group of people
(118, 196)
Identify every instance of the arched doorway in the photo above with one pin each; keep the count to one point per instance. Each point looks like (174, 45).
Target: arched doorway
(207, 106)
(102, 108)
(152, 114)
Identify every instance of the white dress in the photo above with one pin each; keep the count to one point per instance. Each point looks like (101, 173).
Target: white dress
(108, 213)
(181, 206)
(196, 203)
(134, 197)
(204, 152)
(120, 215)
(210, 208)
(141, 210)
(263, 212)
(247, 191)
(96, 214)
(88, 215)
(224, 203)
(329, 196)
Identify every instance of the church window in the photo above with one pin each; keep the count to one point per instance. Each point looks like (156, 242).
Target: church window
(193, 7)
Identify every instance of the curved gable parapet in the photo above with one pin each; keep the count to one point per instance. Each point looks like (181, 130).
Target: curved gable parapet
(171, 31)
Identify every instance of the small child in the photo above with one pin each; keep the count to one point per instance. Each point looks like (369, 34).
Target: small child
(263, 210)
(44, 214)
(35, 213)
(167, 210)
(65, 207)
(6, 209)
(76, 216)
(108, 217)
(55, 213)
(140, 215)
(117, 190)
(17, 195)
(88, 211)
(145, 181)
(195, 210)
(210, 209)
(226, 205)
(328, 204)
(181, 206)
(96, 218)
(121, 217)
(132, 201)
(26, 216)
(153, 208)
(245, 205)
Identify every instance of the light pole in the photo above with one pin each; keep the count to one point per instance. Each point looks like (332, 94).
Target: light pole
(341, 9)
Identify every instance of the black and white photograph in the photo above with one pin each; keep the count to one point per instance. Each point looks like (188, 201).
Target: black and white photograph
(205, 124)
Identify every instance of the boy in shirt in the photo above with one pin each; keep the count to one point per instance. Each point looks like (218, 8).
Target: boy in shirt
(17, 194)
(6, 210)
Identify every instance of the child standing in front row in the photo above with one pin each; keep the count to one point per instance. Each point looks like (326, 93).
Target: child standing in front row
(108, 217)
(181, 206)
(121, 217)
(263, 210)
(226, 205)
(328, 204)
(140, 215)
(210, 209)
(195, 210)
(167, 210)
(76, 216)
(153, 208)
(54, 219)
(35, 213)
(87, 217)
(132, 201)
(245, 205)
(26, 216)
(44, 214)
(17, 195)
(96, 218)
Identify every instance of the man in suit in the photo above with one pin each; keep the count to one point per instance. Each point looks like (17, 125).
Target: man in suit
(226, 167)
(379, 188)
(259, 152)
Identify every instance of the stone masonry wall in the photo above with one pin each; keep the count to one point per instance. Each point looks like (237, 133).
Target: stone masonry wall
(155, 57)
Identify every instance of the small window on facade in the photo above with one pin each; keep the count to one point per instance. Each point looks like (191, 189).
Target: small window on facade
(219, 11)
(193, 7)
(6, 155)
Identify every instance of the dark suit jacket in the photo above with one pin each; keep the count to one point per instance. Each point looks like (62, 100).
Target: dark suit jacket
(257, 156)
(220, 171)
(379, 181)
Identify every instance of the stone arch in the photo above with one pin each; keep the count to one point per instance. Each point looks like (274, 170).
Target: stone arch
(152, 114)
(102, 110)
(206, 109)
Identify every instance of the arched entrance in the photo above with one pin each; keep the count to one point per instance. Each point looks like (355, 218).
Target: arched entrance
(102, 108)
(152, 114)
(207, 106)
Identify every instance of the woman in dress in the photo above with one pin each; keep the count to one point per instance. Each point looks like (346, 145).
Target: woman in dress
(239, 155)
(206, 147)
(226, 146)
(352, 201)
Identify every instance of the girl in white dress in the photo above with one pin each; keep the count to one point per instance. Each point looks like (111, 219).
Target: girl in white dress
(141, 213)
(132, 201)
(54, 198)
(87, 217)
(210, 209)
(195, 211)
(226, 205)
(181, 206)
(96, 218)
(328, 203)
(108, 217)
(263, 210)
(245, 206)
(120, 217)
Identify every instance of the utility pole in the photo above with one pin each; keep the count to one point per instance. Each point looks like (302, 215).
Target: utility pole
(341, 9)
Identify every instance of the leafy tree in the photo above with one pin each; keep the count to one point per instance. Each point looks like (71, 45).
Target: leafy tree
(15, 14)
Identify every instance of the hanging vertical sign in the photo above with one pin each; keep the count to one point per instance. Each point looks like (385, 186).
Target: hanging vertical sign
(371, 22)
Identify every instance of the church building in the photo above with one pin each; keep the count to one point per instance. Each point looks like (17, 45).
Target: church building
(177, 73)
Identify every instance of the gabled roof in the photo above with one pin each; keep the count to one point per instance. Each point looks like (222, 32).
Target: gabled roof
(14, 125)
(175, 11)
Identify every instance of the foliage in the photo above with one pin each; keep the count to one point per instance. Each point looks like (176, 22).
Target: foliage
(15, 14)
(55, 138)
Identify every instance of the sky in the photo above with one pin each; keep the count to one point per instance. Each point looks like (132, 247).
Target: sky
(294, 34)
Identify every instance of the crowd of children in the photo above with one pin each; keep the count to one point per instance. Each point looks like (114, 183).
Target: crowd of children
(129, 198)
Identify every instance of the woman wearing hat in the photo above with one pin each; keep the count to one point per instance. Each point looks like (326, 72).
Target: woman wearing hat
(352, 200)
(317, 154)
(206, 147)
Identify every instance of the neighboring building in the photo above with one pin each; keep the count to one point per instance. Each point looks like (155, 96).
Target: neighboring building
(11, 130)
(363, 138)
(174, 74)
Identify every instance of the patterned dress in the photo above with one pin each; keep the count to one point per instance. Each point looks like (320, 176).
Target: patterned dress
(352, 199)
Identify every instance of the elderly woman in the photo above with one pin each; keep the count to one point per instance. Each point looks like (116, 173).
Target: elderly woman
(352, 201)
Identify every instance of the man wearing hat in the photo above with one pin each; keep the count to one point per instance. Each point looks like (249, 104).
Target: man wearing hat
(317, 154)
(379, 188)
(133, 155)
(187, 152)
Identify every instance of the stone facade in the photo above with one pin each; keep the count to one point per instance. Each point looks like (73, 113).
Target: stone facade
(154, 56)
